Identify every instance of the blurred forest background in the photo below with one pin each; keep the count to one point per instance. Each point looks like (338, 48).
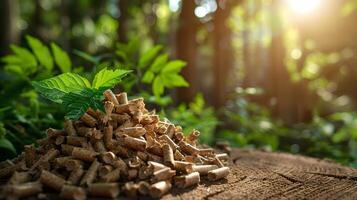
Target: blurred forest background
(271, 74)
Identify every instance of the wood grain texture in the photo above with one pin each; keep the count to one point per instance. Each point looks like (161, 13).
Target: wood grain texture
(266, 175)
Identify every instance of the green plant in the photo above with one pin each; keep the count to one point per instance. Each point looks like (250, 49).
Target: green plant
(76, 93)
(37, 63)
(152, 70)
(195, 115)
(23, 116)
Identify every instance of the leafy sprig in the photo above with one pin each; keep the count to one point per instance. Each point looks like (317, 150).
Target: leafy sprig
(36, 60)
(76, 93)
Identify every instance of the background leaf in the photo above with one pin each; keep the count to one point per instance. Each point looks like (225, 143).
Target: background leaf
(158, 87)
(174, 66)
(41, 51)
(148, 56)
(174, 80)
(61, 58)
(148, 77)
(21, 63)
(159, 62)
(24, 55)
(6, 144)
(108, 78)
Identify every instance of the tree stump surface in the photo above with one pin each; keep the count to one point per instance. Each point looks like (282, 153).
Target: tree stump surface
(267, 175)
(257, 174)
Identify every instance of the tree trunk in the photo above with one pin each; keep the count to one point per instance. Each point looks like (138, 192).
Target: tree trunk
(223, 53)
(187, 49)
(266, 175)
(123, 18)
(9, 32)
(280, 88)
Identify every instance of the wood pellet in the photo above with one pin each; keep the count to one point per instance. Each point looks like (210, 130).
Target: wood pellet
(125, 150)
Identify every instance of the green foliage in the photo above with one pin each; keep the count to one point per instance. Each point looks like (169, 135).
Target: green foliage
(61, 58)
(76, 93)
(152, 69)
(23, 116)
(108, 78)
(195, 115)
(5, 143)
(250, 125)
(165, 74)
(21, 63)
(41, 51)
(148, 56)
(55, 88)
(77, 103)
(37, 63)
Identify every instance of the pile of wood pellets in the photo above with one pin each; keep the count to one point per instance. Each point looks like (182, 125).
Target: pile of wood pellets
(125, 150)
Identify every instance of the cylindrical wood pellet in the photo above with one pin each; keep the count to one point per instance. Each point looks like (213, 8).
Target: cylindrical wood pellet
(83, 154)
(76, 175)
(219, 173)
(51, 180)
(168, 155)
(73, 193)
(187, 180)
(89, 120)
(110, 96)
(25, 189)
(68, 126)
(160, 188)
(91, 173)
(122, 98)
(134, 143)
(110, 190)
(203, 169)
(163, 174)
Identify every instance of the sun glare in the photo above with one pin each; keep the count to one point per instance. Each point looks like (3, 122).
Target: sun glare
(303, 6)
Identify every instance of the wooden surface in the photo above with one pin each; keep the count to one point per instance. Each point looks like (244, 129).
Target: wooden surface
(266, 175)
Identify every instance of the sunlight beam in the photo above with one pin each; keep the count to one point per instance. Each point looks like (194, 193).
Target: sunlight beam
(303, 6)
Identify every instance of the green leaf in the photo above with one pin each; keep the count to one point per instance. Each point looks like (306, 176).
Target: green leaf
(148, 77)
(122, 55)
(41, 51)
(21, 63)
(157, 86)
(61, 58)
(173, 67)
(108, 78)
(55, 88)
(12, 59)
(15, 69)
(24, 55)
(174, 80)
(2, 130)
(76, 104)
(6, 144)
(87, 56)
(148, 56)
(159, 63)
